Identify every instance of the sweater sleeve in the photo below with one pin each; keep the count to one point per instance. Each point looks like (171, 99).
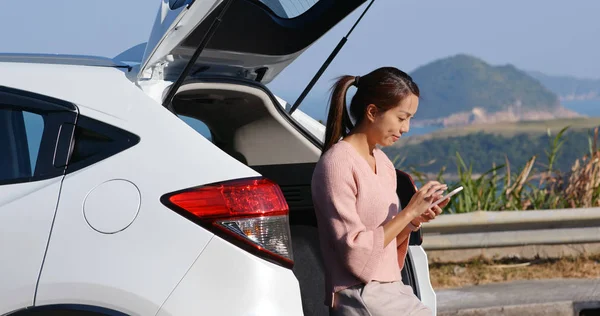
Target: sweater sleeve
(401, 250)
(359, 249)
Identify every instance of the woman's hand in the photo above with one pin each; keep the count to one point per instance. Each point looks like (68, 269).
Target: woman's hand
(428, 216)
(431, 213)
(421, 201)
(419, 204)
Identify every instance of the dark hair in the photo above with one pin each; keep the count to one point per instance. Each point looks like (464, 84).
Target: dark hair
(383, 87)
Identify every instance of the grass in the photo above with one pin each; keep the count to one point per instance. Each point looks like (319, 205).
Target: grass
(482, 271)
(505, 187)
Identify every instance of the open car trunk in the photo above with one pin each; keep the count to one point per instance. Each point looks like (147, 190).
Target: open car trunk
(246, 122)
(248, 39)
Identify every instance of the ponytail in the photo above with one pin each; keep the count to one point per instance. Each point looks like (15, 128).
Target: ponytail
(384, 87)
(338, 120)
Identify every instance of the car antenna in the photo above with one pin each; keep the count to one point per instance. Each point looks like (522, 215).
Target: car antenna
(167, 102)
(334, 53)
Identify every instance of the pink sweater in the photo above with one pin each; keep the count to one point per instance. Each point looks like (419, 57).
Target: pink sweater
(352, 203)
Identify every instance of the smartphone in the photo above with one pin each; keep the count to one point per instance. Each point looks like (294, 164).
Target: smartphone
(447, 196)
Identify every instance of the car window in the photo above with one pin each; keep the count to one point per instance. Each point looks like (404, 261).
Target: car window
(34, 128)
(20, 138)
(197, 125)
(289, 8)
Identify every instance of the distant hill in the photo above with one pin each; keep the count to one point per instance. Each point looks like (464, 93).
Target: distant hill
(463, 89)
(569, 88)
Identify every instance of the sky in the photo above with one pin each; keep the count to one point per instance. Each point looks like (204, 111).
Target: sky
(551, 36)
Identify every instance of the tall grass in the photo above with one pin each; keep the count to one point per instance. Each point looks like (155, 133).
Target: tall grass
(505, 188)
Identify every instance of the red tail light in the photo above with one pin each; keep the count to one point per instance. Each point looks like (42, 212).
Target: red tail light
(250, 213)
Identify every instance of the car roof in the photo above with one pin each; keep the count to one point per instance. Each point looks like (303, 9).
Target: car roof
(89, 82)
(62, 59)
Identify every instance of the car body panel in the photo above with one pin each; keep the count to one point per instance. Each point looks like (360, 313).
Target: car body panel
(223, 275)
(26, 213)
(135, 269)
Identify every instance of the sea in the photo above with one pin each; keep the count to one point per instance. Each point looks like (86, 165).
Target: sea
(586, 107)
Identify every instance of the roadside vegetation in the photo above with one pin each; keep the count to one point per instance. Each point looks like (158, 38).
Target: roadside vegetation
(535, 185)
(485, 144)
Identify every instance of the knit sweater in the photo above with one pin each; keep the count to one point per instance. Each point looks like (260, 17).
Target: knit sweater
(352, 203)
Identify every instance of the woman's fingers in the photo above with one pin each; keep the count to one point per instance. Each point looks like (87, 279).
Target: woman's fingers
(431, 191)
(428, 185)
(424, 219)
(429, 214)
(437, 210)
(435, 190)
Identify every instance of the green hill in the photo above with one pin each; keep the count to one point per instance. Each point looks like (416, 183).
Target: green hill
(462, 83)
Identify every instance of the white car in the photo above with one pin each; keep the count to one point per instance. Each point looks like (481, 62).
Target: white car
(111, 204)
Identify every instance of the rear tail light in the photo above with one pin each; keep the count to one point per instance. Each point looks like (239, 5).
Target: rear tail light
(250, 213)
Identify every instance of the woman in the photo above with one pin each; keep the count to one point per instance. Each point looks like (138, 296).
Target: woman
(364, 237)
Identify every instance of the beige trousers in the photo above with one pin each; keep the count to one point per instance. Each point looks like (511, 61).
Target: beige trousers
(378, 299)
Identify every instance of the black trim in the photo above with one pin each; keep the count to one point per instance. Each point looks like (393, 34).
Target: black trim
(252, 27)
(288, 174)
(67, 310)
(405, 189)
(109, 140)
(295, 183)
(55, 113)
(309, 269)
(222, 79)
(48, 147)
(408, 275)
(260, 73)
(16, 140)
(33, 102)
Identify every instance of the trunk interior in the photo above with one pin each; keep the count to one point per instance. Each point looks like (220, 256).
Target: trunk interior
(245, 123)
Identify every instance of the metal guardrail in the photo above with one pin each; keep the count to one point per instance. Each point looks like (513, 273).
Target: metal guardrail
(512, 228)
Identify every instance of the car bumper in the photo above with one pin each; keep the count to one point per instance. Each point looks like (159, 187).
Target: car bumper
(421, 268)
(226, 280)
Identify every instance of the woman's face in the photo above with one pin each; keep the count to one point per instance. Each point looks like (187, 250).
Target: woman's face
(387, 127)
